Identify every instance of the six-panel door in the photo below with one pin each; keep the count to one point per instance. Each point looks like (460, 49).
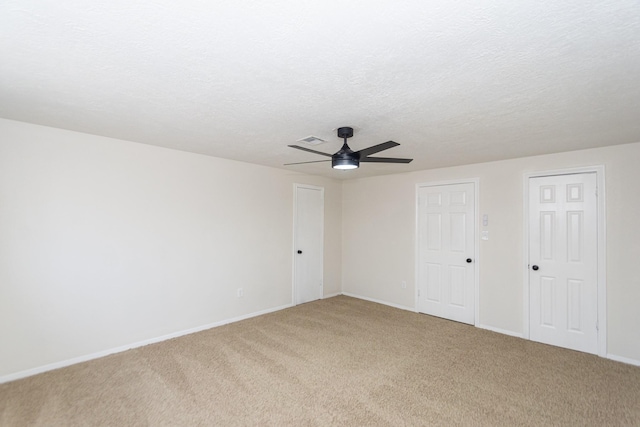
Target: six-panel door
(446, 243)
(563, 261)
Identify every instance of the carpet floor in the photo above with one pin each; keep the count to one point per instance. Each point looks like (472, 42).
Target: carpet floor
(339, 361)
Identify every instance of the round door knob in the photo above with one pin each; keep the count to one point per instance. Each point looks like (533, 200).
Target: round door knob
(299, 251)
(469, 260)
(535, 268)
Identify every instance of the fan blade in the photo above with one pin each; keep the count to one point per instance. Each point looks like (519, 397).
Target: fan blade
(302, 163)
(311, 151)
(377, 148)
(384, 160)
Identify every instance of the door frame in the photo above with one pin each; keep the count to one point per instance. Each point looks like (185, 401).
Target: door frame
(601, 257)
(476, 243)
(294, 288)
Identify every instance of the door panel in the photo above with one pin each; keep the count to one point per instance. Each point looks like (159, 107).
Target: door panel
(458, 232)
(433, 283)
(563, 245)
(457, 280)
(433, 236)
(446, 234)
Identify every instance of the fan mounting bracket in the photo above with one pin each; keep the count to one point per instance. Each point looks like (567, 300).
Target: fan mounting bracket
(345, 132)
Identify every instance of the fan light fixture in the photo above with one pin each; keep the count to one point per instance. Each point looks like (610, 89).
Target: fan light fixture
(345, 164)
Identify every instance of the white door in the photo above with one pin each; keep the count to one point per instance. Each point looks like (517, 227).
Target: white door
(446, 251)
(563, 244)
(308, 243)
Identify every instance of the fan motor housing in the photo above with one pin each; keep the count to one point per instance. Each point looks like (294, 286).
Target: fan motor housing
(346, 158)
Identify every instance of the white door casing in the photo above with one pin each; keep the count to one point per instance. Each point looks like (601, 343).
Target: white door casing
(446, 250)
(563, 261)
(308, 243)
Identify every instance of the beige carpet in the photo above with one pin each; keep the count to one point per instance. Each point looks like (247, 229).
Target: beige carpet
(339, 361)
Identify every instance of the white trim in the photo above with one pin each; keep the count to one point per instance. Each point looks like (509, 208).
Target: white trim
(525, 256)
(476, 309)
(296, 186)
(599, 170)
(602, 262)
(99, 354)
(500, 331)
(377, 301)
(416, 251)
(331, 295)
(476, 225)
(626, 360)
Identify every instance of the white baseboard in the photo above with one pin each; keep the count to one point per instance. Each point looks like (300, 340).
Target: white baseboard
(401, 307)
(626, 360)
(622, 359)
(501, 331)
(87, 357)
(97, 355)
(331, 295)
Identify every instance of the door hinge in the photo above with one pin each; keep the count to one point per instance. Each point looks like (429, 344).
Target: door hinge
(597, 326)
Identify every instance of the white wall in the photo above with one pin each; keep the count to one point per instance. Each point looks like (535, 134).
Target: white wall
(105, 243)
(379, 229)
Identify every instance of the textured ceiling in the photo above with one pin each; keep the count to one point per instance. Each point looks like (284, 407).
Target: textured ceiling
(452, 82)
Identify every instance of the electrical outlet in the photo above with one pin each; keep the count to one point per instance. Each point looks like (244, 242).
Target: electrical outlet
(404, 284)
(240, 293)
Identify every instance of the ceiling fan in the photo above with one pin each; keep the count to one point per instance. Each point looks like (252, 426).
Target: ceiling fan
(346, 158)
